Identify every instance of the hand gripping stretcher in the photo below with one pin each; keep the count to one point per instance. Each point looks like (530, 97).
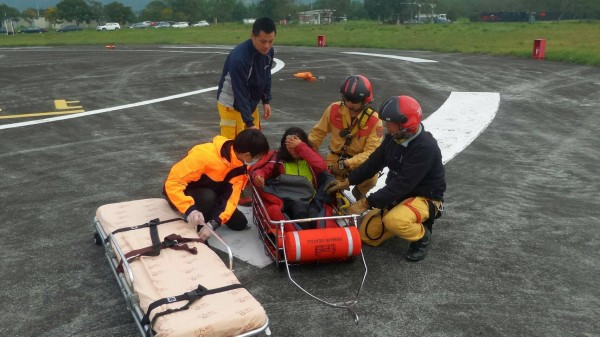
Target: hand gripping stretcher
(174, 284)
(335, 239)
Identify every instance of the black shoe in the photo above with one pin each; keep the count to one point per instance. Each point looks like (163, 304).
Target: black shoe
(418, 249)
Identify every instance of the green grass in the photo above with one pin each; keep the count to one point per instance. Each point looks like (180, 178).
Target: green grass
(567, 41)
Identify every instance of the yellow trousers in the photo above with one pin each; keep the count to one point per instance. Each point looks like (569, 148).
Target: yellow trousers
(405, 220)
(231, 121)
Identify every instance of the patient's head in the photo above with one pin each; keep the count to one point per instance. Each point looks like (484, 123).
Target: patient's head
(287, 150)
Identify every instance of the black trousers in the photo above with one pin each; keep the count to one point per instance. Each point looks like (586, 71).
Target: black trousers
(298, 210)
(206, 199)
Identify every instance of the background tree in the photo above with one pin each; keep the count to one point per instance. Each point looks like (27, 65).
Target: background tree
(29, 14)
(153, 11)
(96, 11)
(357, 10)
(51, 15)
(226, 10)
(7, 12)
(117, 12)
(74, 10)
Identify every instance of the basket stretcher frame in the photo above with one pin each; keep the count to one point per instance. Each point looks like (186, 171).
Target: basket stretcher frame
(261, 216)
(114, 254)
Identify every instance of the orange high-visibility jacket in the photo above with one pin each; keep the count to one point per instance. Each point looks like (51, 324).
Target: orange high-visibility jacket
(206, 165)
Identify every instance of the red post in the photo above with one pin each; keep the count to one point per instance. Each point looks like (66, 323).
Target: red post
(321, 40)
(539, 49)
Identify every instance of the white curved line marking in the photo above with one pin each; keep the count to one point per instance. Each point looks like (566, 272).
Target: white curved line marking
(457, 123)
(279, 64)
(403, 58)
(463, 117)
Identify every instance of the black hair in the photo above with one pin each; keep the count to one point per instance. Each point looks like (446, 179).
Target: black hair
(284, 154)
(265, 25)
(251, 140)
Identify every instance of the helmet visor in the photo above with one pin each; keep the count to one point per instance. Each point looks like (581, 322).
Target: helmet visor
(354, 99)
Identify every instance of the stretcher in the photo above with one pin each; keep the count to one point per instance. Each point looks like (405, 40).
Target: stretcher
(335, 239)
(174, 284)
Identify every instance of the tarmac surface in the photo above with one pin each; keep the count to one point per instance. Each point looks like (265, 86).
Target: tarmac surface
(515, 254)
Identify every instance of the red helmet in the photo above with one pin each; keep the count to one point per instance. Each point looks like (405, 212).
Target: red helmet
(405, 111)
(357, 89)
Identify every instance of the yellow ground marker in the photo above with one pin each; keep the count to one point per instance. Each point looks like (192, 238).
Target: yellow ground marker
(59, 104)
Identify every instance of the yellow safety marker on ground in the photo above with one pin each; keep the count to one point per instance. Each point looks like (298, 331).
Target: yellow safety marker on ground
(59, 104)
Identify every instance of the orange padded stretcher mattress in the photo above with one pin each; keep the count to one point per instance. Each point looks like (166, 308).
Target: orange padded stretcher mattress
(176, 272)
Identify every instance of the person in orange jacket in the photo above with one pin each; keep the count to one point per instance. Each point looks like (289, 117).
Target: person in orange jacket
(205, 186)
(355, 128)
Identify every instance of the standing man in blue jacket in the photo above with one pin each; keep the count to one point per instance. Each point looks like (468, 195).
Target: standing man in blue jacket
(246, 81)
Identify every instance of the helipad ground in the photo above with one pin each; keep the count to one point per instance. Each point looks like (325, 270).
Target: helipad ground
(516, 253)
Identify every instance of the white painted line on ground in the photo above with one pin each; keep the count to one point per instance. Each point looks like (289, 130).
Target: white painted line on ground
(279, 64)
(403, 58)
(457, 123)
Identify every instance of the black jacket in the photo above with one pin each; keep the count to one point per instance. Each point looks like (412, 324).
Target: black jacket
(415, 170)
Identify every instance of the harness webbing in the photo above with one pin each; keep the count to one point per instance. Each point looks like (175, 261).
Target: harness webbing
(173, 241)
(190, 297)
(151, 223)
(348, 134)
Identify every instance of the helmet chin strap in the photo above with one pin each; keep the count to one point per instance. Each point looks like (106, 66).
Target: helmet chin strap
(401, 136)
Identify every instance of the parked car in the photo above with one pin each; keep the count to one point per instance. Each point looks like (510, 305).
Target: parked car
(3, 31)
(32, 30)
(71, 28)
(180, 25)
(140, 25)
(109, 26)
(163, 24)
(202, 23)
(441, 20)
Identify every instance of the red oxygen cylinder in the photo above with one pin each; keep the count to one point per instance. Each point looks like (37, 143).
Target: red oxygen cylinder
(322, 244)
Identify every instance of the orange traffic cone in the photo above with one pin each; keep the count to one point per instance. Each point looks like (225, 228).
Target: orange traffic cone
(110, 46)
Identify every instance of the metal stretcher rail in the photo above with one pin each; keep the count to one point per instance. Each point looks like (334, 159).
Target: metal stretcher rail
(115, 255)
(260, 211)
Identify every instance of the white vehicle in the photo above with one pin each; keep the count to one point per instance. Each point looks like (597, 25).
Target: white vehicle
(202, 23)
(180, 25)
(109, 26)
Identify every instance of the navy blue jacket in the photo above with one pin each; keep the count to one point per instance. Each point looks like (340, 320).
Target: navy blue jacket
(246, 80)
(416, 169)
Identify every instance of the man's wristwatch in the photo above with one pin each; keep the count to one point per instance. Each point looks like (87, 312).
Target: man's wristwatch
(214, 224)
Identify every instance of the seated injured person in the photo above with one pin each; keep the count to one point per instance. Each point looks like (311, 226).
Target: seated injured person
(291, 181)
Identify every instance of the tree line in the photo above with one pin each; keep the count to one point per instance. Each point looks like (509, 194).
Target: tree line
(392, 11)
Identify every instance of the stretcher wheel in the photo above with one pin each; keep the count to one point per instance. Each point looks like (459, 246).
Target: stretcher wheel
(97, 239)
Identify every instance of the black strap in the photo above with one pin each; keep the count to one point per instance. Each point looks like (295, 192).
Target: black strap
(151, 223)
(433, 214)
(190, 297)
(367, 112)
(173, 241)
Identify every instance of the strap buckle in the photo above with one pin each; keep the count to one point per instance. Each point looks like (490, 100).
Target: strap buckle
(196, 293)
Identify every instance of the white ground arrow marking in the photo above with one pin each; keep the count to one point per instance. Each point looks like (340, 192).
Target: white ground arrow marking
(457, 123)
(403, 58)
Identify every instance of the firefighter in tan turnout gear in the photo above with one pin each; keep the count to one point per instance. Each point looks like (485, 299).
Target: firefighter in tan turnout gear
(355, 128)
